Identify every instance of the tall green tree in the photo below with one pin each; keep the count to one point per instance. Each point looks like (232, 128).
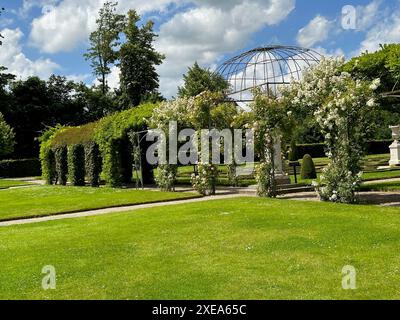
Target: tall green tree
(95, 104)
(104, 42)
(198, 80)
(7, 137)
(138, 61)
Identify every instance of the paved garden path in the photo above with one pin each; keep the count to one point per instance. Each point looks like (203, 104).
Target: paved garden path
(382, 181)
(116, 210)
(374, 197)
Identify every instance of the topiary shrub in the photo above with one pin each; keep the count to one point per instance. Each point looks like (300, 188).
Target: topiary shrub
(47, 155)
(112, 165)
(308, 168)
(48, 166)
(61, 163)
(76, 165)
(93, 163)
(293, 152)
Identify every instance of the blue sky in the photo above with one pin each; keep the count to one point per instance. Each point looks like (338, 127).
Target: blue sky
(50, 36)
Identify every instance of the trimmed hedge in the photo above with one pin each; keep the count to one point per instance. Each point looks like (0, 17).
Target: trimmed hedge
(112, 169)
(20, 168)
(76, 165)
(74, 135)
(378, 146)
(110, 134)
(92, 163)
(317, 150)
(61, 159)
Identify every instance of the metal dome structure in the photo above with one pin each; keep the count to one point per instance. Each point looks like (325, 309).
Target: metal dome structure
(266, 68)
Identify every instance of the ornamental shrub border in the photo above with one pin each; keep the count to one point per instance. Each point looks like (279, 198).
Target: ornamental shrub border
(102, 143)
(20, 168)
(317, 150)
(76, 165)
(61, 163)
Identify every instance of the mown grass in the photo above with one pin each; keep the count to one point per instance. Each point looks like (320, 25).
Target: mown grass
(48, 200)
(370, 165)
(245, 248)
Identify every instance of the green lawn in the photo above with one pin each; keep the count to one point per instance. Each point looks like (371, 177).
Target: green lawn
(370, 165)
(4, 184)
(245, 248)
(47, 200)
(384, 186)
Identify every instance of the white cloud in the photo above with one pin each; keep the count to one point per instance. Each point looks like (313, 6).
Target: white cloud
(14, 59)
(78, 77)
(70, 22)
(206, 33)
(203, 33)
(315, 32)
(386, 31)
(368, 15)
(330, 53)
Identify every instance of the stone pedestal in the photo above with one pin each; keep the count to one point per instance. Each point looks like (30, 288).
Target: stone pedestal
(280, 176)
(395, 147)
(395, 154)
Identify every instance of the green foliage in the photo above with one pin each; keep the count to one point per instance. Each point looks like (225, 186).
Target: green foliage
(76, 164)
(166, 177)
(383, 64)
(104, 41)
(47, 158)
(205, 181)
(308, 168)
(61, 159)
(7, 137)
(265, 177)
(109, 133)
(199, 80)
(92, 163)
(74, 135)
(20, 168)
(112, 170)
(138, 61)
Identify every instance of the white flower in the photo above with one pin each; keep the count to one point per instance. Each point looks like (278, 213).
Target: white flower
(375, 84)
(371, 103)
(334, 197)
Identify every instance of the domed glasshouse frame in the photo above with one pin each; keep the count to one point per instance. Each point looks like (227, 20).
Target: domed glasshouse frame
(266, 68)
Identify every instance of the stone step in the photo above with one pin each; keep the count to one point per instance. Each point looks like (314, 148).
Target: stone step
(288, 189)
(296, 190)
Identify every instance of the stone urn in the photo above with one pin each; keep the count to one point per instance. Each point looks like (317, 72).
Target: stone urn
(395, 132)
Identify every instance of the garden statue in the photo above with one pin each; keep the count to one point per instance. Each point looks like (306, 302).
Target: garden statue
(395, 147)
